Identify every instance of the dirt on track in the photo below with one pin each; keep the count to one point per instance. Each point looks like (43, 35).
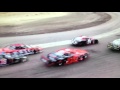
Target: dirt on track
(58, 24)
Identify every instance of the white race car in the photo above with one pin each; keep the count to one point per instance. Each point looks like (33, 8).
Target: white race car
(114, 45)
(84, 40)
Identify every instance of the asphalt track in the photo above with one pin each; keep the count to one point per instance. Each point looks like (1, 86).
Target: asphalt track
(103, 63)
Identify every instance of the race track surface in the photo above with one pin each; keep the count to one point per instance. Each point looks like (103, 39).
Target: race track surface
(103, 63)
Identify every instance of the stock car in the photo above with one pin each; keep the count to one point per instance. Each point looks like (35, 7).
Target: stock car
(11, 58)
(114, 45)
(22, 48)
(84, 40)
(64, 57)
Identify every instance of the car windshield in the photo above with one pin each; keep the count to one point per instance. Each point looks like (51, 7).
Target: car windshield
(27, 46)
(52, 55)
(56, 55)
(22, 47)
(59, 53)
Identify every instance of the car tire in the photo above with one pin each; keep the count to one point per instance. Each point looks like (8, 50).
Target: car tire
(96, 41)
(35, 52)
(81, 58)
(93, 42)
(80, 44)
(24, 60)
(60, 63)
(86, 56)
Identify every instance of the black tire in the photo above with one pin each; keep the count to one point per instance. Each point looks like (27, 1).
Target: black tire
(35, 52)
(96, 41)
(80, 43)
(86, 56)
(16, 61)
(9, 61)
(83, 43)
(24, 60)
(81, 58)
(60, 63)
(93, 42)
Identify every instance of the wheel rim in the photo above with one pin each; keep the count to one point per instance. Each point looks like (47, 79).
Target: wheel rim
(80, 58)
(86, 55)
(60, 64)
(75, 42)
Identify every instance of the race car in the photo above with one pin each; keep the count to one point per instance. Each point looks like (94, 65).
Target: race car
(114, 45)
(84, 40)
(11, 58)
(64, 57)
(23, 49)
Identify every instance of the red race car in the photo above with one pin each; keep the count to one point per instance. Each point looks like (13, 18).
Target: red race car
(65, 56)
(22, 48)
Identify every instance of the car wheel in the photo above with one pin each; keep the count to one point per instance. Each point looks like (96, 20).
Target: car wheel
(60, 63)
(81, 58)
(24, 60)
(82, 43)
(86, 56)
(75, 43)
(93, 42)
(35, 52)
(96, 41)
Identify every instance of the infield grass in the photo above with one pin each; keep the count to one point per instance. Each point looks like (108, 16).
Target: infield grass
(18, 18)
